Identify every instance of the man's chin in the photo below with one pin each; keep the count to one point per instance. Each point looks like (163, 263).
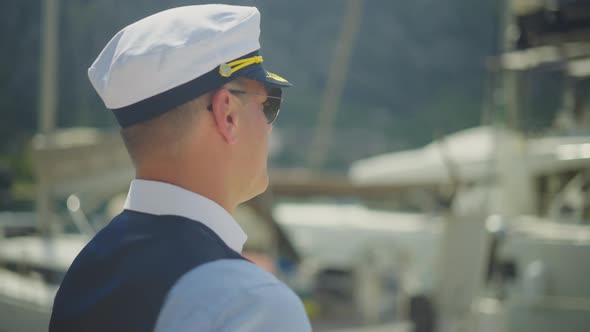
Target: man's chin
(258, 188)
(264, 183)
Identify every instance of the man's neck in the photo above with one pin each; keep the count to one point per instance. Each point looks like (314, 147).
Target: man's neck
(202, 182)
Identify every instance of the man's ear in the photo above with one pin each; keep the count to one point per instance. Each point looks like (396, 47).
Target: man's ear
(226, 118)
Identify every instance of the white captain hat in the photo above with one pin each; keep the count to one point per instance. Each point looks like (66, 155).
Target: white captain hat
(174, 56)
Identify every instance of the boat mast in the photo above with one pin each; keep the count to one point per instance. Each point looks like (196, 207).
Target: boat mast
(47, 108)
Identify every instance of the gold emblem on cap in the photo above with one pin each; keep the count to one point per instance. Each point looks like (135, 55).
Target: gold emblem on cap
(225, 70)
(276, 77)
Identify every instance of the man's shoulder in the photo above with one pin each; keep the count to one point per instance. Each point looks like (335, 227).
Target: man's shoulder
(225, 278)
(230, 292)
(127, 251)
(226, 281)
(130, 266)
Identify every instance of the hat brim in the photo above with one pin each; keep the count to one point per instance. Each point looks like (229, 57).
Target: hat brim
(262, 75)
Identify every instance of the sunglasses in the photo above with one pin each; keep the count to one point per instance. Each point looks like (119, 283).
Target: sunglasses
(271, 106)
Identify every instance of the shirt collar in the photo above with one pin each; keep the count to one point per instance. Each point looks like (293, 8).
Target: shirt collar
(159, 198)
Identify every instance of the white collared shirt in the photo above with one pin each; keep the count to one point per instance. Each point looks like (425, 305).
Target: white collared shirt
(160, 198)
(224, 295)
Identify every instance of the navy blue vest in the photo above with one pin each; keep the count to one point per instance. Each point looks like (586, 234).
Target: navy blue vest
(119, 281)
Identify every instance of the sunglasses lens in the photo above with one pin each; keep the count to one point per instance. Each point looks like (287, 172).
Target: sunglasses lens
(272, 105)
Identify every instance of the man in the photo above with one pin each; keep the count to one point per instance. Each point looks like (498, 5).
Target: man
(196, 106)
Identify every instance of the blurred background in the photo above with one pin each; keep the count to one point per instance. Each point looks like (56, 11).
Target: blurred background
(430, 170)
